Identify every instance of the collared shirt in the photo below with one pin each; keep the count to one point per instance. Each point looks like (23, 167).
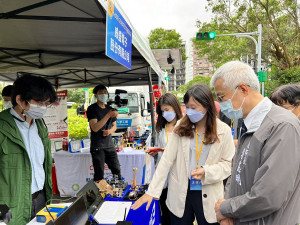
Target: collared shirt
(35, 150)
(193, 155)
(253, 113)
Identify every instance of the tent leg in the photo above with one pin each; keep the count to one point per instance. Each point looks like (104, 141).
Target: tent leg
(151, 104)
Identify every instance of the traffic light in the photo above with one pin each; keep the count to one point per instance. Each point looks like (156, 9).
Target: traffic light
(166, 78)
(266, 93)
(206, 35)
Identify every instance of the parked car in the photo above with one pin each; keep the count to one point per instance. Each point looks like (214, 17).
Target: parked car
(69, 104)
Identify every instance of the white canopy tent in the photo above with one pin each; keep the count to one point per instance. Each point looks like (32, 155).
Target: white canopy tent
(64, 41)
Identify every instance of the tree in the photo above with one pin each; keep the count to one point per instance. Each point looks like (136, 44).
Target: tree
(183, 88)
(281, 31)
(278, 77)
(76, 95)
(160, 38)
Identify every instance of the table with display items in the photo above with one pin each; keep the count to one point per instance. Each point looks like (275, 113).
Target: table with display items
(74, 170)
(140, 216)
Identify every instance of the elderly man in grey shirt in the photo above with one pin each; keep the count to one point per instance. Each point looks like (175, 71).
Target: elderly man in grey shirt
(264, 187)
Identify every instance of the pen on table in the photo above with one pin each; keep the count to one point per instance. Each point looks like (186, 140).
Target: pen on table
(125, 214)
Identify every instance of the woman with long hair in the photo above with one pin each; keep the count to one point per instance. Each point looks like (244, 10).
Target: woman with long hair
(198, 157)
(168, 115)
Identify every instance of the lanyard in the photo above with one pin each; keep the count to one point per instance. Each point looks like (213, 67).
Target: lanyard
(167, 132)
(198, 151)
(232, 121)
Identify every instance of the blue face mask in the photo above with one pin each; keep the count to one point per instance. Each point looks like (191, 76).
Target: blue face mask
(227, 109)
(194, 115)
(169, 115)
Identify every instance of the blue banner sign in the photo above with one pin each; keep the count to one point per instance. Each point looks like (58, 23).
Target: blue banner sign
(124, 123)
(118, 36)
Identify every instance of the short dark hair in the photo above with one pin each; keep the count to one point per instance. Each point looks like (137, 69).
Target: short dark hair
(202, 94)
(289, 93)
(99, 88)
(7, 91)
(33, 87)
(171, 100)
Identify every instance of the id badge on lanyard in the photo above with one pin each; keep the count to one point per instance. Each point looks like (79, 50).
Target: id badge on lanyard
(195, 185)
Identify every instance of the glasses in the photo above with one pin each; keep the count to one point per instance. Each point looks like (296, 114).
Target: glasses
(220, 98)
(41, 104)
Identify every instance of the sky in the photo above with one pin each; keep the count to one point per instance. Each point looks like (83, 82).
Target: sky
(181, 15)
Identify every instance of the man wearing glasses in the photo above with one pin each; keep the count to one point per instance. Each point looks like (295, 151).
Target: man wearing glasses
(25, 149)
(264, 187)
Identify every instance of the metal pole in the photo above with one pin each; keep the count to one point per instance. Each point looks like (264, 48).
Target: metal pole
(258, 46)
(259, 54)
(151, 103)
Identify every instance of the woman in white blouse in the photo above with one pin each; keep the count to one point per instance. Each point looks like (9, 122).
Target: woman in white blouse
(168, 114)
(198, 157)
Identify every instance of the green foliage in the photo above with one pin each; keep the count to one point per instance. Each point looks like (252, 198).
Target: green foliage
(183, 88)
(77, 125)
(74, 106)
(76, 95)
(281, 31)
(160, 38)
(279, 77)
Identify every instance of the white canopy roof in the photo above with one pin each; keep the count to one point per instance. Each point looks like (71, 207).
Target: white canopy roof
(65, 40)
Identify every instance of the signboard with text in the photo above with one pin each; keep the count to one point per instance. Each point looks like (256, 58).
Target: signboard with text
(118, 36)
(56, 120)
(124, 123)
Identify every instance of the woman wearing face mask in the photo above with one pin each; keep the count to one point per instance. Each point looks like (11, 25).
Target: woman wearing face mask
(198, 157)
(168, 115)
(288, 97)
(25, 150)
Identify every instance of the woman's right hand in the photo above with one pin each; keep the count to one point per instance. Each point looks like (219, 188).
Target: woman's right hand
(145, 198)
(152, 153)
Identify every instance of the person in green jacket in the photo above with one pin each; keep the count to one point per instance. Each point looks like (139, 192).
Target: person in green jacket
(25, 149)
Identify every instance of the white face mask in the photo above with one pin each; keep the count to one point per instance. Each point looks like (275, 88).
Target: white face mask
(103, 98)
(7, 104)
(36, 111)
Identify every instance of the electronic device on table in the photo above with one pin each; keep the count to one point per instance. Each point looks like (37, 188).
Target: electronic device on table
(92, 196)
(76, 214)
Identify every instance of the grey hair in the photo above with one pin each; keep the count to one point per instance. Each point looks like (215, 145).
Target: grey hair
(234, 73)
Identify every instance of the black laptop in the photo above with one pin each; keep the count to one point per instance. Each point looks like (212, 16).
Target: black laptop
(76, 214)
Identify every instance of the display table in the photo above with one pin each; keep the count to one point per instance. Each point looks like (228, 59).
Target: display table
(138, 217)
(74, 170)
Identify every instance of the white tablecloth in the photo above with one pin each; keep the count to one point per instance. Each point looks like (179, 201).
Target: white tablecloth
(74, 170)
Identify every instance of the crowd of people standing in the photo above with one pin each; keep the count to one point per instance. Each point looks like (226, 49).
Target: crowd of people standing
(253, 145)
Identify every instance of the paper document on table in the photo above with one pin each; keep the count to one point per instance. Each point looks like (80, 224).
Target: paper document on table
(111, 212)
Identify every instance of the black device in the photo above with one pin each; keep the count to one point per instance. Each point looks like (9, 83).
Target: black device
(91, 196)
(124, 223)
(5, 214)
(118, 100)
(75, 214)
